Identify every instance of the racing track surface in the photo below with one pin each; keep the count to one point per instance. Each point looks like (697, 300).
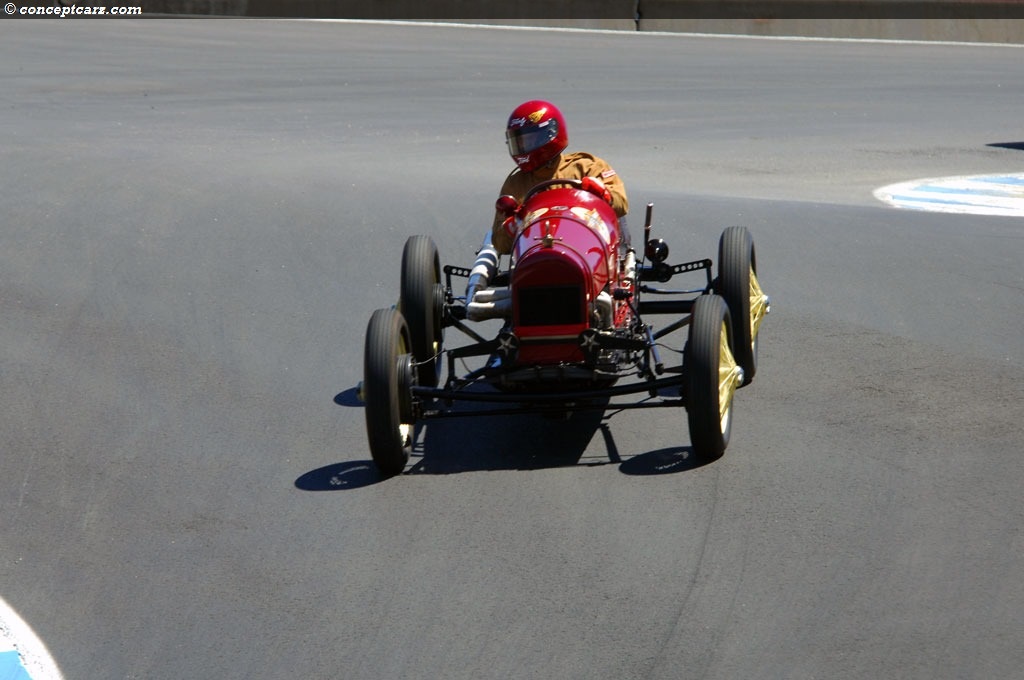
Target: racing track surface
(199, 217)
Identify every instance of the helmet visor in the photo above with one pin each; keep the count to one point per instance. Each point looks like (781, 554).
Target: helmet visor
(529, 138)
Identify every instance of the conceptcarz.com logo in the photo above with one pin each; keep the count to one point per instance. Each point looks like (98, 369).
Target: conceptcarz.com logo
(63, 11)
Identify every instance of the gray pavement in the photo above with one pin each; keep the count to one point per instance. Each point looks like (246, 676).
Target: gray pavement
(198, 218)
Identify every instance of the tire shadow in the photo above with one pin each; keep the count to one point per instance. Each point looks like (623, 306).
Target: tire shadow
(1016, 146)
(340, 477)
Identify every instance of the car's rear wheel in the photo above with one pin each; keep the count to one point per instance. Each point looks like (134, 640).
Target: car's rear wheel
(738, 284)
(387, 381)
(712, 377)
(422, 305)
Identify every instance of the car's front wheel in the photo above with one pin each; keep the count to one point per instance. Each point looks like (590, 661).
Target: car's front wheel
(387, 390)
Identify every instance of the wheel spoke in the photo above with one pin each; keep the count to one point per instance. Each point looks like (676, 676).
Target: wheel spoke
(730, 376)
(758, 305)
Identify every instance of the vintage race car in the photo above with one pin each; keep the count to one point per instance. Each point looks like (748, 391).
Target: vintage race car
(573, 301)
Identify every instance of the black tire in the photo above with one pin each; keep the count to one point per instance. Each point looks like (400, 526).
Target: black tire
(737, 284)
(422, 305)
(709, 415)
(387, 378)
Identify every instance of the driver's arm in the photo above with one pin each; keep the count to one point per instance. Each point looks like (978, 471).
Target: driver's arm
(612, 182)
(500, 239)
(515, 185)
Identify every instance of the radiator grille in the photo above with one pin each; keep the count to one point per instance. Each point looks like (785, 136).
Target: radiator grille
(550, 306)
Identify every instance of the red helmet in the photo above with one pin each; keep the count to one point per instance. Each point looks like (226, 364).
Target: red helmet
(535, 134)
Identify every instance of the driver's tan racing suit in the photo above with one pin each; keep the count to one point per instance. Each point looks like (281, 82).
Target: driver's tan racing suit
(483, 303)
(566, 166)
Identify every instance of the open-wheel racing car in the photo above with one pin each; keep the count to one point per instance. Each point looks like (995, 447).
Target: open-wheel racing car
(574, 300)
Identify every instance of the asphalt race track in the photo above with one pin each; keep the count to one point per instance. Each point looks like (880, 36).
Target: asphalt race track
(199, 217)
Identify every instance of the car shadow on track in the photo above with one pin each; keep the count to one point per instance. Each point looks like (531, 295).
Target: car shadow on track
(508, 442)
(532, 442)
(516, 442)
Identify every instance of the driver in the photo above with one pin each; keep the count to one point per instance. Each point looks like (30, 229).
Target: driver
(537, 138)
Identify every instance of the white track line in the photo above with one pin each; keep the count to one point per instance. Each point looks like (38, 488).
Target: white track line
(674, 34)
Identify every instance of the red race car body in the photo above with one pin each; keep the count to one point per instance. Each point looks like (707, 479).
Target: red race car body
(565, 273)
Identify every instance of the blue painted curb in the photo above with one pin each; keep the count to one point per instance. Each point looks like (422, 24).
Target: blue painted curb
(1001, 194)
(11, 668)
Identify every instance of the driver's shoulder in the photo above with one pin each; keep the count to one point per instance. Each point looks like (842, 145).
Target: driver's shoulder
(580, 163)
(579, 157)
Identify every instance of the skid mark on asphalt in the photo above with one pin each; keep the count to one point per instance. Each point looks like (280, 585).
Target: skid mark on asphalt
(974, 195)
